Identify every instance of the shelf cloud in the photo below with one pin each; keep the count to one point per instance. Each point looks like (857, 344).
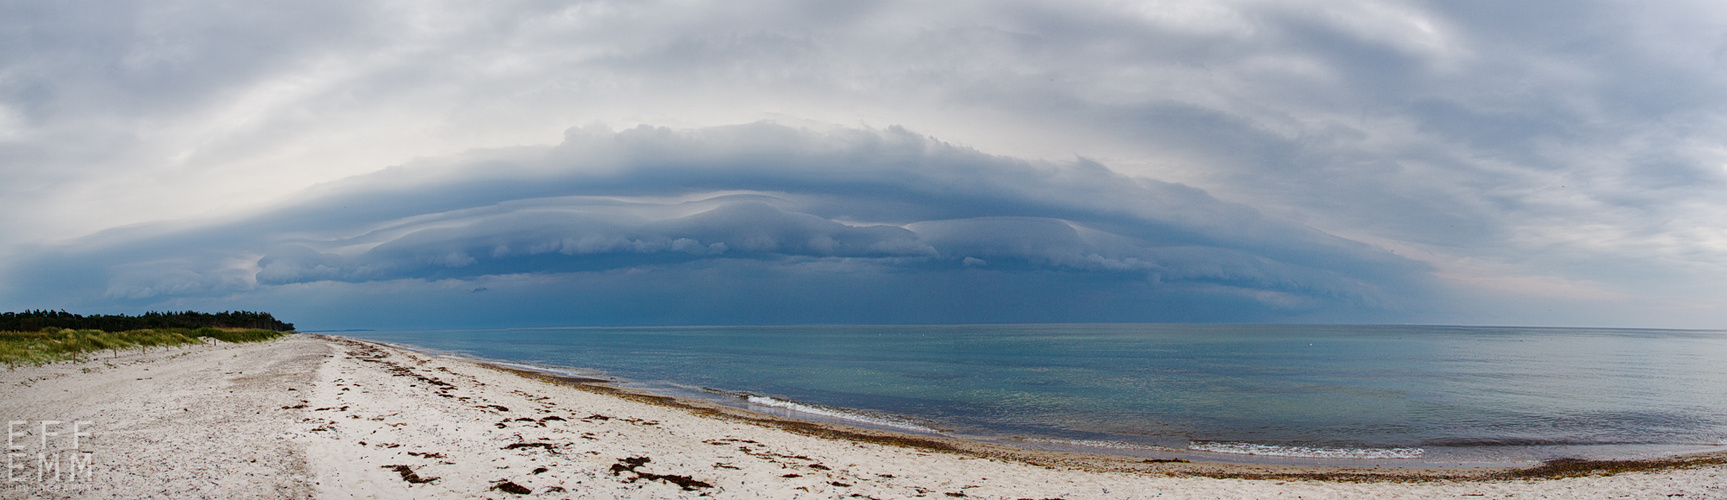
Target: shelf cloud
(880, 213)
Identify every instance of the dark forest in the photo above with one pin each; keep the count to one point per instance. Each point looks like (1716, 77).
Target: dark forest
(30, 321)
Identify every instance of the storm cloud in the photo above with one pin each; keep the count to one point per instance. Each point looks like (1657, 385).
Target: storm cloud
(1546, 163)
(872, 213)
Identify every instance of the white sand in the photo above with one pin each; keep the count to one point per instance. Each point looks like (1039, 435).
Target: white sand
(226, 421)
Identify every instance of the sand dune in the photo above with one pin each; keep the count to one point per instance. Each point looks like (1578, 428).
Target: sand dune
(325, 417)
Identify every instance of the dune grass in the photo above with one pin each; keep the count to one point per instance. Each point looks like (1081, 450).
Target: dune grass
(53, 344)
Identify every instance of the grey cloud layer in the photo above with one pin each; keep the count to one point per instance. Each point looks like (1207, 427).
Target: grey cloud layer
(1530, 151)
(808, 206)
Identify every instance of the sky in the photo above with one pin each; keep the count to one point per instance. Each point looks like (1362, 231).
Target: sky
(387, 164)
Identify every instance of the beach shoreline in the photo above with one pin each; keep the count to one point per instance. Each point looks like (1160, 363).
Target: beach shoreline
(1490, 453)
(312, 416)
(1385, 471)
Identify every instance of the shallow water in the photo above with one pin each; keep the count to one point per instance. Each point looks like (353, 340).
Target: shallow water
(1420, 395)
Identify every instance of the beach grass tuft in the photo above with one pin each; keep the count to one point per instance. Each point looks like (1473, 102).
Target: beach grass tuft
(51, 344)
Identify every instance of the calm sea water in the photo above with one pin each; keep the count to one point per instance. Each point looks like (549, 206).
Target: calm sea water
(1416, 395)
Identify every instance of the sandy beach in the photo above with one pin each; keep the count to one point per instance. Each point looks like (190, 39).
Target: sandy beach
(312, 416)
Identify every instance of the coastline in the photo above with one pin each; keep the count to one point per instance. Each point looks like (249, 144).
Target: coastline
(1455, 455)
(1103, 462)
(312, 416)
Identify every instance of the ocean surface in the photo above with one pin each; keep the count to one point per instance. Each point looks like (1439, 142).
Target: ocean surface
(1381, 395)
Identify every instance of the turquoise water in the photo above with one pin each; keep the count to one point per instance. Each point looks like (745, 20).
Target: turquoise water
(1395, 394)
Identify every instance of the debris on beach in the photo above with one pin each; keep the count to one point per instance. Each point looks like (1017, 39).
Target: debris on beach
(409, 475)
(509, 487)
(631, 464)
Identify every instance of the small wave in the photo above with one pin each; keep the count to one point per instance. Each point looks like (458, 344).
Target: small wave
(1305, 451)
(723, 392)
(883, 420)
(555, 370)
(1095, 443)
(1525, 442)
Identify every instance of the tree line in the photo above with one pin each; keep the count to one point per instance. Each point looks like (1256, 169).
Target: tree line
(34, 320)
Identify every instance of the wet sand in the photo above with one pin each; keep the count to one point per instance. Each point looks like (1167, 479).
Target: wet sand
(328, 417)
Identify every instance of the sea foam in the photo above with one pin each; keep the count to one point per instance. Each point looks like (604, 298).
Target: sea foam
(555, 370)
(1269, 450)
(871, 418)
(1094, 443)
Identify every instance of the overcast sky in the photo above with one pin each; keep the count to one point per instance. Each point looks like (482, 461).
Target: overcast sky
(355, 164)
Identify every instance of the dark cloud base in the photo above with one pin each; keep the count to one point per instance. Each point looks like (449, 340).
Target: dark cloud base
(754, 294)
(737, 225)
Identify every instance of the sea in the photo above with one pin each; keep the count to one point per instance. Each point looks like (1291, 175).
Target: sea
(1366, 395)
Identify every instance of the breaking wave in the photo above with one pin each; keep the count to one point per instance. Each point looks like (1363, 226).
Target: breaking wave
(871, 418)
(1093, 443)
(1269, 450)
